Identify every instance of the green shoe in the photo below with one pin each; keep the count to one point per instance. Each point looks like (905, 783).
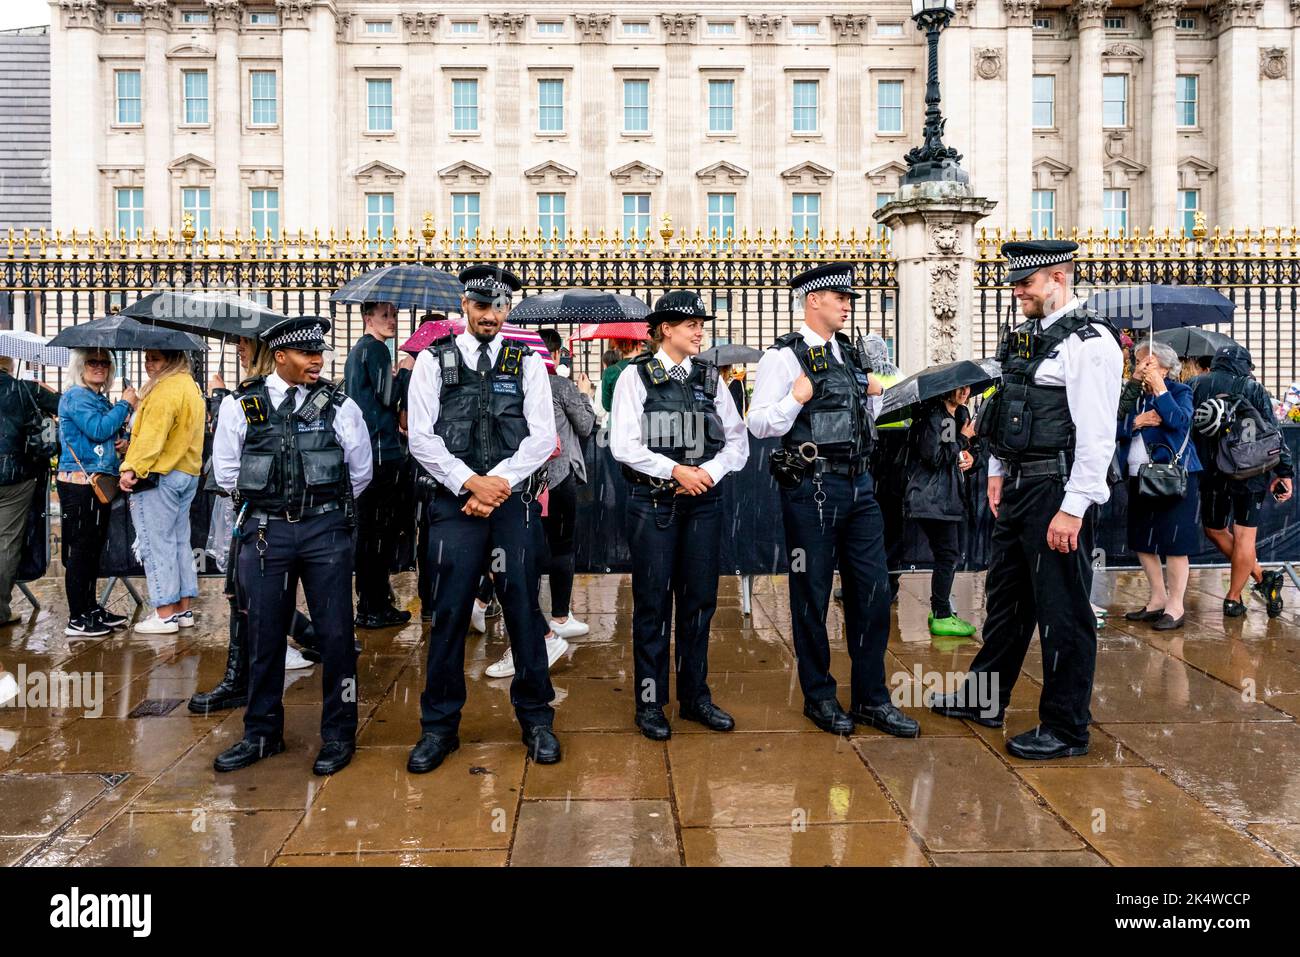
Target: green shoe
(951, 627)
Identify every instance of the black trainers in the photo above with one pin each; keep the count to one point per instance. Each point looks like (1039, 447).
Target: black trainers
(86, 626)
(1270, 588)
(1233, 608)
(109, 618)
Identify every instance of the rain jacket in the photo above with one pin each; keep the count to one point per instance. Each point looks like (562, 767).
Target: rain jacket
(1230, 364)
(936, 487)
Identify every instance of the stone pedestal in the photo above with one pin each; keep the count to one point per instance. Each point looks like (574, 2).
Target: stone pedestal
(933, 240)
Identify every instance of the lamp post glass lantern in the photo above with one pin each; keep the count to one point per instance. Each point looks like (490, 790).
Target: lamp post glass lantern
(932, 161)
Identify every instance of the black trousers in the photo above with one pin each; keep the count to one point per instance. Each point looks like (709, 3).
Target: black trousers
(676, 565)
(85, 529)
(559, 524)
(1030, 585)
(944, 539)
(460, 546)
(848, 533)
(377, 534)
(318, 552)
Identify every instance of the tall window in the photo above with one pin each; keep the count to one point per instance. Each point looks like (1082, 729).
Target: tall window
(380, 219)
(1114, 210)
(196, 95)
(130, 210)
(264, 105)
(881, 229)
(550, 105)
(805, 214)
(1185, 99)
(636, 215)
(464, 214)
(1044, 100)
(722, 102)
(464, 105)
(264, 207)
(128, 96)
(636, 106)
(379, 106)
(197, 203)
(1042, 212)
(551, 220)
(1114, 95)
(805, 106)
(1189, 201)
(722, 214)
(889, 106)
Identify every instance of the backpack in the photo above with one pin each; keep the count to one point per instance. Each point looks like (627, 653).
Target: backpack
(1247, 444)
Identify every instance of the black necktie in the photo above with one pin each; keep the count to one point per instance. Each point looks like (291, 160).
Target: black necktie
(287, 404)
(484, 360)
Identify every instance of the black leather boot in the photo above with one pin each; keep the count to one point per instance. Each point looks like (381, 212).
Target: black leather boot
(232, 691)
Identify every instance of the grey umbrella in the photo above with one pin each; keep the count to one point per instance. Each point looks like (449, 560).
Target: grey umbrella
(123, 332)
(731, 355)
(1194, 341)
(204, 313)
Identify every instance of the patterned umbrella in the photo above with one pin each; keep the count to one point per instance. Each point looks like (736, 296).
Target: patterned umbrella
(637, 331)
(406, 286)
(578, 305)
(29, 347)
(436, 329)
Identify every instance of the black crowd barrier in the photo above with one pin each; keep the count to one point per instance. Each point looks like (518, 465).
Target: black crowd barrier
(753, 541)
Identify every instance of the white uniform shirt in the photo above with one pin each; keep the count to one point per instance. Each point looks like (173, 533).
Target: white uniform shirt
(773, 409)
(424, 402)
(1091, 371)
(626, 442)
(232, 426)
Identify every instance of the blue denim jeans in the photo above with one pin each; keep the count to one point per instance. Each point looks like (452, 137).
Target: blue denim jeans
(162, 523)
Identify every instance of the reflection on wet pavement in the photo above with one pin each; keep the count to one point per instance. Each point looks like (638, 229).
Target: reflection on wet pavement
(1195, 755)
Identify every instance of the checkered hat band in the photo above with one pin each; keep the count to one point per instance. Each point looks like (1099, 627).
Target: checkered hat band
(487, 285)
(1038, 260)
(821, 282)
(312, 334)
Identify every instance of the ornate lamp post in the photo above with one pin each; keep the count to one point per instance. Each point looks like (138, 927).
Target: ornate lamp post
(933, 162)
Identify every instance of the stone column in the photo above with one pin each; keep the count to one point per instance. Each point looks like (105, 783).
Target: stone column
(422, 172)
(1163, 16)
(592, 209)
(933, 241)
(1020, 110)
(511, 93)
(295, 125)
(76, 122)
(852, 199)
(228, 128)
(679, 29)
(767, 130)
(1087, 132)
(1295, 108)
(955, 72)
(326, 179)
(1239, 112)
(159, 117)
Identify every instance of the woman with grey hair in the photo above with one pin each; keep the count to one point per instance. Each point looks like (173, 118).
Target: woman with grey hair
(1160, 426)
(90, 426)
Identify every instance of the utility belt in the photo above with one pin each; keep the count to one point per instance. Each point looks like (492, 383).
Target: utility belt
(1058, 467)
(655, 484)
(791, 466)
(261, 518)
(293, 515)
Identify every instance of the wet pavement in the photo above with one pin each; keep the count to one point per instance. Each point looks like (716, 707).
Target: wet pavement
(1195, 755)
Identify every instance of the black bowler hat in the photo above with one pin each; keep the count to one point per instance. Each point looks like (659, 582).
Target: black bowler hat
(304, 333)
(833, 277)
(489, 284)
(1025, 259)
(678, 304)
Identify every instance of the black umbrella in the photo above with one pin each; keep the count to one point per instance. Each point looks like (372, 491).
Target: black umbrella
(578, 305)
(204, 313)
(1153, 306)
(123, 332)
(1193, 341)
(901, 398)
(731, 355)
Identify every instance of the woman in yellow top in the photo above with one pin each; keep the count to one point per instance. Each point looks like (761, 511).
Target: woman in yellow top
(166, 454)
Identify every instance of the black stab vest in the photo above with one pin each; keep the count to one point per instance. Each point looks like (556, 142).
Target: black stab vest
(291, 461)
(481, 417)
(680, 419)
(836, 419)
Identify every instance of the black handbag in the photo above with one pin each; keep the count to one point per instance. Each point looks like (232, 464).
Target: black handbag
(1164, 481)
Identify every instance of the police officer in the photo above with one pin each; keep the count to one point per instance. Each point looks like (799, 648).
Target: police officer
(295, 452)
(1050, 428)
(811, 390)
(481, 423)
(676, 433)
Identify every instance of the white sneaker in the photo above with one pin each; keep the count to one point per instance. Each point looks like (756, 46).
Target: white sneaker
(555, 649)
(569, 629)
(153, 625)
(184, 619)
(504, 668)
(294, 661)
(8, 687)
(478, 618)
